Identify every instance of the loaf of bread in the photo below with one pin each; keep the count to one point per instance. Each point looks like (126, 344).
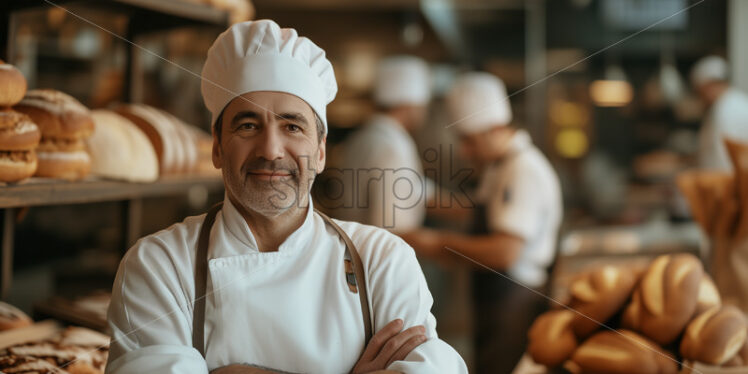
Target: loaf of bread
(12, 364)
(58, 115)
(75, 350)
(64, 122)
(187, 141)
(708, 295)
(19, 137)
(75, 360)
(12, 317)
(159, 130)
(63, 158)
(598, 295)
(12, 85)
(621, 352)
(83, 337)
(741, 358)
(17, 131)
(665, 299)
(551, 340)
(120, 150)
(715, 336)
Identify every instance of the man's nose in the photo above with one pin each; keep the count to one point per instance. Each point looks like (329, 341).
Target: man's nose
(271, 145)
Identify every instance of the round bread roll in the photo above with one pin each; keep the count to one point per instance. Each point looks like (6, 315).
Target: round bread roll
(159, 131)
(665, 299)
(120, 150)
(551, 339)
(708, 295)
(16, 166)
(17, 132)
(621, 352)
(598, 295)
(12, 85)
(715, 336)
(63, 159)
(12, 317)
(57, 114)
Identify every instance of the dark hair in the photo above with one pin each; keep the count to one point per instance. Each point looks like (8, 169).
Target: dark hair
(218, 126)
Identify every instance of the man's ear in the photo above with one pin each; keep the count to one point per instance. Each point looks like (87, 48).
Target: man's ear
(216, 153)
(322, 151)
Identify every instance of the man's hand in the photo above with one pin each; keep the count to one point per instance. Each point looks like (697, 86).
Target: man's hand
(388, 345)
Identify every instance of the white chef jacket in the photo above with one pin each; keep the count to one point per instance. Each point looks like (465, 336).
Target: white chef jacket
(289, 310)
(522, 196)
(727, 118)
(389, 189)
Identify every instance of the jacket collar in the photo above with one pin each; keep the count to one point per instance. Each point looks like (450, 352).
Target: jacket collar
(239, 230)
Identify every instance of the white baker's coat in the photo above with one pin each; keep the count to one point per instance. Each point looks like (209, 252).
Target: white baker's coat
(389, 189)
(727, 118)
(522, 195)
(289, 310)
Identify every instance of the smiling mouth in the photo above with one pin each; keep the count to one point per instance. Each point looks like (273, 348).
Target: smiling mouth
(269, 174)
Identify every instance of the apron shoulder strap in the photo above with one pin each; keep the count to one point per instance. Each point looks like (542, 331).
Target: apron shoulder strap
(201, 279)
(353, 267)
(355, 275)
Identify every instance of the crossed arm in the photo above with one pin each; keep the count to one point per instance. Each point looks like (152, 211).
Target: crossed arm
(389, 344)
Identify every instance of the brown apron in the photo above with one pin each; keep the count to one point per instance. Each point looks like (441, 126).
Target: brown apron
(352, 266)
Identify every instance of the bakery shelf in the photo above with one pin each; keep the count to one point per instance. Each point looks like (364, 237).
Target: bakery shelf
(45, 192)
(38, 192)
(169, 12)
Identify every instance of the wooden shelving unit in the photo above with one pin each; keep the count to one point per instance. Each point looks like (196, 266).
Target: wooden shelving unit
(144, 16)
(54, 192)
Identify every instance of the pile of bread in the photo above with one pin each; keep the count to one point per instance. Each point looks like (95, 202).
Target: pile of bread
(47, 133)
(719, 199)
(645, 321)
(74, 350)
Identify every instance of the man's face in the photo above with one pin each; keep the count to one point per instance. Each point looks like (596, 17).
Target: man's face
(486, 146)
(269, 152)
(416, 115)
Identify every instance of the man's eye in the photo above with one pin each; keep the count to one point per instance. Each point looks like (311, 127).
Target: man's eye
(293, 128)
(247, 126)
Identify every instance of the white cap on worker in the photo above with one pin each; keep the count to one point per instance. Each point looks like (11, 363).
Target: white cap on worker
(260, 56)
(477, 102)
(402, 80)
(709, 69)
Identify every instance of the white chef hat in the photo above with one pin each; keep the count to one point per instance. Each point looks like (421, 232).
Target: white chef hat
(402, 80)
(260, 56)
(477, 102)
(709, 69)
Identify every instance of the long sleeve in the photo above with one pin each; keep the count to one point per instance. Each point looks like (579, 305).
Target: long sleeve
(398, 290)
(150, 315)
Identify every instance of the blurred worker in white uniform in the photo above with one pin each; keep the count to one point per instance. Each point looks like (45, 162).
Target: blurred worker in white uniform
(727, 114)
(389, 189)
(266, 284)
(517, 214)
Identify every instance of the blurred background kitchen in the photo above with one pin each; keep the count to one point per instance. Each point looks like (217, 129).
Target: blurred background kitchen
(603, 87)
